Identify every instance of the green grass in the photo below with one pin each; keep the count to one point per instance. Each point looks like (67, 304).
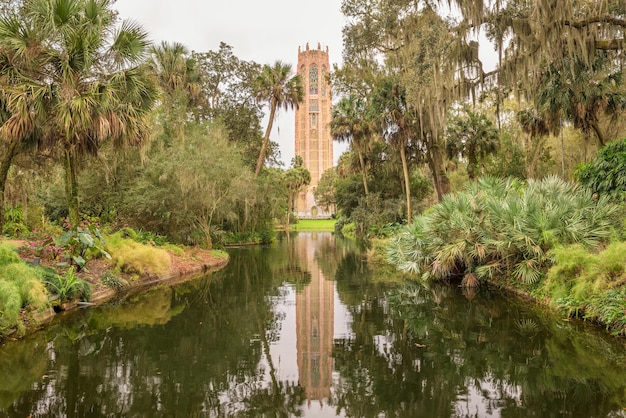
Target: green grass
(219, 254)
(321, 225)
(10, 243)
(20, 287)
(133, 257)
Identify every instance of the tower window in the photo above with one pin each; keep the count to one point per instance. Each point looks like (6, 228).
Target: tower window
(313, 120)
(313, 80)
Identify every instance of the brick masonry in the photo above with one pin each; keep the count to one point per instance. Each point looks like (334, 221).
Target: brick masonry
(313, 141)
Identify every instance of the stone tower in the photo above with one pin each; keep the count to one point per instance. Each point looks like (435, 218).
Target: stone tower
(313, 141)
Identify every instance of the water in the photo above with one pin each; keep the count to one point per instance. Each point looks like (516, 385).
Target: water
(306, 328)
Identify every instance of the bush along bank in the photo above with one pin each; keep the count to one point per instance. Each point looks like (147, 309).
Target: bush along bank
(547, 238)
(51, 277)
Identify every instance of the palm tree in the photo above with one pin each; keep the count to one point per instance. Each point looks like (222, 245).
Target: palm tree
(395, 122)
(538, 128)
(583, 94)
(296, 178)
(351, 124)
(84, 85)
(19, 119)
(179, 79)
(473, 137)
(280, 89)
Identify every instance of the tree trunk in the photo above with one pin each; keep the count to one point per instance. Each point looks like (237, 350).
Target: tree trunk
(440, 180)
(599, 133)
(534, 158)
(266, 139)
(472, 163)
(363, 172)
(289, 205)
(5, 165)
(205, 226)
(71, 188)
(407, 184)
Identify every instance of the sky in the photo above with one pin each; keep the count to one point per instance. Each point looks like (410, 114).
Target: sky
(260, 31)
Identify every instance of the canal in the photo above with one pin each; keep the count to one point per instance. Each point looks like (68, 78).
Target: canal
(306, 328)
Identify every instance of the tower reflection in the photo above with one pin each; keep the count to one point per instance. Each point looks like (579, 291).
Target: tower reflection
(315, 323)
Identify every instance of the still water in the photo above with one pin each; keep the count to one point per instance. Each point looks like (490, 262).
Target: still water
(306, 328)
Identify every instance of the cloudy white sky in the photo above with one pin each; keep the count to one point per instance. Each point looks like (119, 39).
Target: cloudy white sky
(260, 31)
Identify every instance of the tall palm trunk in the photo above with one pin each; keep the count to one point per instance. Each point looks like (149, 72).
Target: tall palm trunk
(363, 172)
(289, 207)
(71, 187)
(5, 165)
(407, 184)
(601, 137)
(266, 139)
(534, 157)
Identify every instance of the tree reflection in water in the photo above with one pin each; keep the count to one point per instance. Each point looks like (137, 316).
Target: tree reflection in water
(306, 328)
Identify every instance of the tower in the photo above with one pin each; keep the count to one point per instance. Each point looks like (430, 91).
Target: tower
(313, 141)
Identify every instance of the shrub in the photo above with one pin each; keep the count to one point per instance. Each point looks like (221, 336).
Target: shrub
(349, 230)
(28, 281)
(609, 307)
(69, 286)
(606, 174)
(569, 263)
(113, 281)
(8, 256)
(500, 229)
(14, 224)
(589, 285)
(136, 258)
(40, 244)
(20, 287)
(10, 304)
(83, 242)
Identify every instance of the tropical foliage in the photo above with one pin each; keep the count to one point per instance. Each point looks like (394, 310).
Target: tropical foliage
(280, 89)
(472, 136)
(95, 122)
(589, 285)
(68, 286)
(21, 287)
(606, 174)
(296, 179)
(501, 231)
(69, 80)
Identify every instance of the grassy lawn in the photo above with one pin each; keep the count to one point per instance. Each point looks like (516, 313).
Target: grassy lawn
(12, 243)
(314, 225)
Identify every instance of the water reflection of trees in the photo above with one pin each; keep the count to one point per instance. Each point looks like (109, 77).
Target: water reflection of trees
(415, 352)
(441, 354)
(216, 370)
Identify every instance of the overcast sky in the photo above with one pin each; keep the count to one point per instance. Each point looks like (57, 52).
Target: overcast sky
(260, 31)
